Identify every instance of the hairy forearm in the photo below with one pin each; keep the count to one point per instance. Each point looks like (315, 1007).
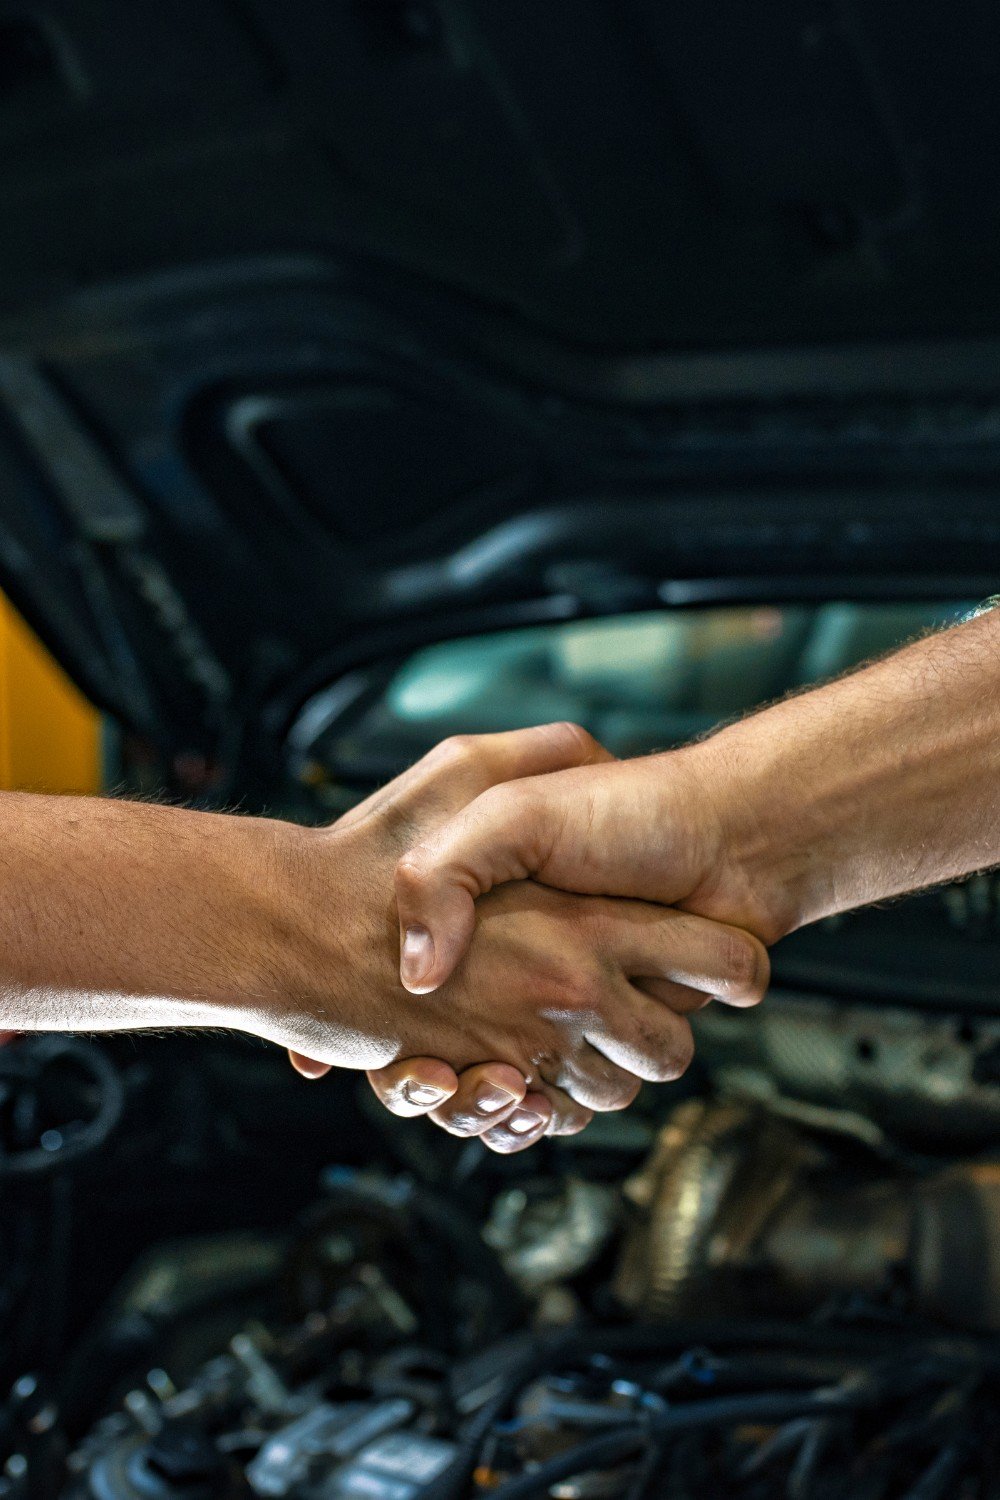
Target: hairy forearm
(882, 782)
(118, 914)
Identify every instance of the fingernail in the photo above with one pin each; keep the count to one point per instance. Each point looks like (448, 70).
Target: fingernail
(493, 1098)
(522, 1120)
(417, 956)
(422, 1093)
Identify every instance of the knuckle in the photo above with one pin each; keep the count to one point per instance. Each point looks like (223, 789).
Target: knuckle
(568, 1117)
(457, 751)
(623, 1092)
(412, 868)
(579, 742)
(676, 1056)
(744, 964)
(459, 760)
(609, 1092)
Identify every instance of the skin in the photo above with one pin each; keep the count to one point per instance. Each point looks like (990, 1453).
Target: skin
(121, 915)
(708, 962)
(883, 782)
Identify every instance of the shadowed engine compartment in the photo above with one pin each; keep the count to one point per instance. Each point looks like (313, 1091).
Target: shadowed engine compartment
(786, 1281)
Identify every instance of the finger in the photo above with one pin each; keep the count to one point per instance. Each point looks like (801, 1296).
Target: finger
(486, 1095)
(591, 1079)
(681, 1000)
(414, 1086)
(484, 760)
(309, 1067)
(568, 1117)
(523, 1128)
(655, 943)
(654, 1045)
(688, 955)
(458, 769)
(467, 1112)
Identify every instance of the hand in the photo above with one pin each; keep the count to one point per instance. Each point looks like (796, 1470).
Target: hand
(878, 783)
(443, 781)
(649, 829)
(548, 948)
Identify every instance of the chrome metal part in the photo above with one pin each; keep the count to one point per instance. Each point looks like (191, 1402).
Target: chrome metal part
(926, 1077)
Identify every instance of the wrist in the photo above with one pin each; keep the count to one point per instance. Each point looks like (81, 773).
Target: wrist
(330, 978)
(285, 951)
(756, 870)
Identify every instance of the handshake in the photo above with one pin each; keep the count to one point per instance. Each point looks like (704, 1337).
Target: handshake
(522, 1008)
(513, 933)
(559, 914)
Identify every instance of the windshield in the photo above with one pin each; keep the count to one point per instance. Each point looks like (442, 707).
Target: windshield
(638, 682)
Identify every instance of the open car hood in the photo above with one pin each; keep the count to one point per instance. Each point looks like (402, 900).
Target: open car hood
(332, 329)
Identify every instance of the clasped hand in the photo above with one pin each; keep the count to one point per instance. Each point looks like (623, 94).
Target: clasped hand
(534, 1004)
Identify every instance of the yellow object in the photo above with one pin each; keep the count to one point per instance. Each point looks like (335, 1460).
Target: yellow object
(50, 736)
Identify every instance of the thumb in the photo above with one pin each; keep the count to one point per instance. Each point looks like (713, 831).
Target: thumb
(505, 834)
(309, 1067)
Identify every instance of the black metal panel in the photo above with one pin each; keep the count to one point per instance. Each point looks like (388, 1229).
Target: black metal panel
(397, 319)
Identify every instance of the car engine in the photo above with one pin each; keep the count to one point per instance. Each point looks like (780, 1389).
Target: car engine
(780, 1277)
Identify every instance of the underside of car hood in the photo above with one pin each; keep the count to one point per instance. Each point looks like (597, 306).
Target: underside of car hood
(332, 329)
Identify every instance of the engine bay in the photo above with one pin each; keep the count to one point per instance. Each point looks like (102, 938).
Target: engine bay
(780, 1277)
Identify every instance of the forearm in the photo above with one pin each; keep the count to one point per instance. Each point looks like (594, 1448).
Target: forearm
(119, 914)
(882, 782)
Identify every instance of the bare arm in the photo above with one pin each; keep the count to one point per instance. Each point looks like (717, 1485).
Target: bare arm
(882, 782)
(117, 915)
